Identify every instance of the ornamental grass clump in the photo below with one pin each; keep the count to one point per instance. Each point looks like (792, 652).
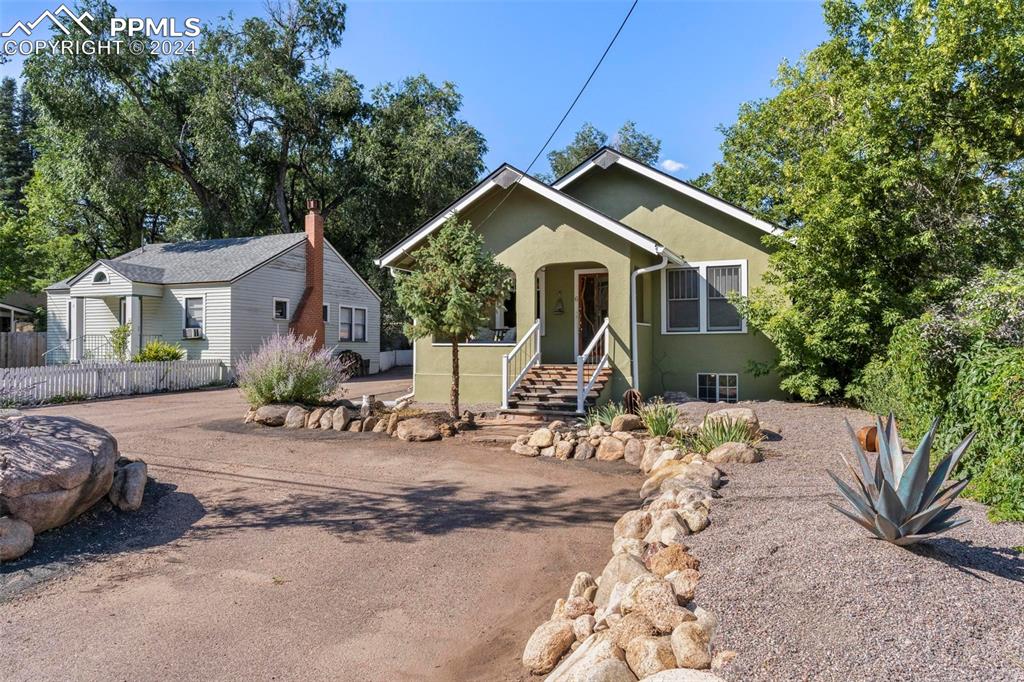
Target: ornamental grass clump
(715, 432)
(286, 369)
(603, 415)
(659, 417)
(899, 501)
(159, 351)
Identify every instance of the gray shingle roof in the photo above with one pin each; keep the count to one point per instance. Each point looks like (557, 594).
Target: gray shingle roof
(212, 260)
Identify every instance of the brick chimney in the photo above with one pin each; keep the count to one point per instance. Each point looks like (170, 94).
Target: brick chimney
(308, 319)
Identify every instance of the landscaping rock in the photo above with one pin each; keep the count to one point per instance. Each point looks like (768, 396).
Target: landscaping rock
(341, 419)
(381, 426)
(684, 583)
(666, 457)
(734, 453)
(548, 644)
(564, 449)
(705, 619)
(584, 450)
(623, 436)
(691, 646)
(737, 414)
(296, 418)
(393, 421)
(525, 450)
(53, 468)
(610, 449)
(548, 451)
(313, 421)
(417, 430)
(634, 451)
(597, 431)
(649, 655)
(695, 517)
(594, 660)
(622, 568)
(580, 584)
(327, 420)
(16, 538)
(542, 438)
(627, 422)
(653, 598)
(668, 528)
(583, 627)
(356, 425)
(631, 626)
(272, 415)
(672, 558)
(128, 486)
(628, 546)
(632, 524)
(250, 415)
(577, 606)
(666, 500)
(722, 659)
(370, 423)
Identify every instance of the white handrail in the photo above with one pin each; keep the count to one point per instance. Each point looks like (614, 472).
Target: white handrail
(507, 388)
(583, 388)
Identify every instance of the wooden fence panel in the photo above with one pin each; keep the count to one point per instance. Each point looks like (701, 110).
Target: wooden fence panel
(54, 383)
(22, 349)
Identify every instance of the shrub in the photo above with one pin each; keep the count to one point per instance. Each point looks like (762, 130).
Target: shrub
(286, 369)
(718, 432)
(658, 417)
(159, 351)
(119, 338)
(603, 414)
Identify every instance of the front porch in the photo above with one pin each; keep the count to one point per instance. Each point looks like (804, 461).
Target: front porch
(92, 321)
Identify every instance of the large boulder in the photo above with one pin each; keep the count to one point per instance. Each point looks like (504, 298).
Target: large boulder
(128, 486)
(313, 420)
(594, 657)
(610, 449)
(341, 419)
(632, 524)
(654, 599)
(542, 438)
(634, 451)
(296, 418)
(417, 429)
(734, 453)
(626, 422)
(737, 414)
(691, 646)
(584, 450)
(547, 645)
(684, 583)
(667, 527)
(672, 558)
(622, 568)
(580, 584)
(327, 420)
(272, 415)
(16, 538)
(53, 468)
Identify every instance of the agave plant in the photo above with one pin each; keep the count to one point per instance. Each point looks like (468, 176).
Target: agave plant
(899, 501)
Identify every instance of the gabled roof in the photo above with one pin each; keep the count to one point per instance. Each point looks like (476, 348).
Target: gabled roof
(605, 157)
(504, 177)
(211, 260)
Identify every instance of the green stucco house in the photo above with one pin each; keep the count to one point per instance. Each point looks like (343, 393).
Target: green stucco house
(621, 280)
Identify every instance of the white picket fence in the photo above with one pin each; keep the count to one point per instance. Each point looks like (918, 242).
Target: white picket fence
(34, 385)
(395, 358)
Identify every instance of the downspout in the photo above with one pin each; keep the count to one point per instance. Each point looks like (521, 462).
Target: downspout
(634, 369)
(412, 393)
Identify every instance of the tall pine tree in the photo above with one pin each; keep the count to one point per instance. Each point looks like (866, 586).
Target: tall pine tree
(16, 155)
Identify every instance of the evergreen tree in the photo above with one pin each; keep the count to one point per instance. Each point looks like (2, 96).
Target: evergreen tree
(10, 145)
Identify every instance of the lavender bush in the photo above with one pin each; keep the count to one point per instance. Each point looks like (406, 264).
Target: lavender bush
(286, 369)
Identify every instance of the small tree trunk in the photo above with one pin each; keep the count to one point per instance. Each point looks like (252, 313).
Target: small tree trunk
(453, 407)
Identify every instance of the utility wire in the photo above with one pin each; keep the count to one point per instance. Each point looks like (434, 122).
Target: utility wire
(576, 99)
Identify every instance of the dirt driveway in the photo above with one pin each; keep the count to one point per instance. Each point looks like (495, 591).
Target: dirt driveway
(268, 554)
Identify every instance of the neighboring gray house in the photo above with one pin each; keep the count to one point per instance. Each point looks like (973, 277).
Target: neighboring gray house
(18, 310)
(218, 298)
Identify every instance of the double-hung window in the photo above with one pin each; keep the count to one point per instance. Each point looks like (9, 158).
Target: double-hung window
(194, 312)
(281, 308)
(696, 298)
(351, 324)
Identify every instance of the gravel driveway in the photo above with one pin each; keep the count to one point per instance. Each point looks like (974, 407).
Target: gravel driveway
(266, 554)
(803, 593)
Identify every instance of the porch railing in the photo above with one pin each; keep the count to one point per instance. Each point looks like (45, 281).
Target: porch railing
(590, 363)
(94, 347)
(517, 362)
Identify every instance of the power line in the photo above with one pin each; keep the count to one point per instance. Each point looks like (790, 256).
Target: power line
(567, 112)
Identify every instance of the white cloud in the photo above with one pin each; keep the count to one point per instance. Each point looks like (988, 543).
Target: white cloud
(672, 166)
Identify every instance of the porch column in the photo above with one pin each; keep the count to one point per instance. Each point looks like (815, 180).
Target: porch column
(526, 292)
(77, 326)
(133, 315)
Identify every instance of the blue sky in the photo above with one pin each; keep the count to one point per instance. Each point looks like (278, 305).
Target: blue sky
(679, 69)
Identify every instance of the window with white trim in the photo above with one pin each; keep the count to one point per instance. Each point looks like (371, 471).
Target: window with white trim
(713, 388)
(326, 313)
(351, 324)
(122, 312)
(195, 312)
(695, 299)
(683, 295)
(100, 277)
(280, 308)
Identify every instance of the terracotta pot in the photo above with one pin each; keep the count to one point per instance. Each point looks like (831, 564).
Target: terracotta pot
(868, 437)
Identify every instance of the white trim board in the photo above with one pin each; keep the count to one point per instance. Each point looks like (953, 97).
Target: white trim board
(537, 187)
(598, 159)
